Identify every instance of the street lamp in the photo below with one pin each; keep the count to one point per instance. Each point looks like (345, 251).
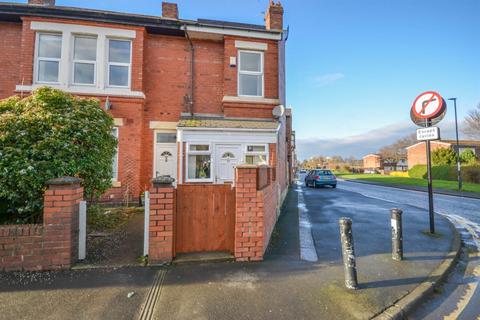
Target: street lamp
(459, 174)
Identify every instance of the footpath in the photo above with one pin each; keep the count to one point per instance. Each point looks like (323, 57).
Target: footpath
(281, 287)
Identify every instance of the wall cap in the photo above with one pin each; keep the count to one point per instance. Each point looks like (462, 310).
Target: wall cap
(64, 181)
(163, 181)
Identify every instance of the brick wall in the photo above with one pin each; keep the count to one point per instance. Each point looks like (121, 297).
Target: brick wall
(53, 245)
(372, 162)
(10, 45)
(161, 230)
(256, 213)
(417, 154)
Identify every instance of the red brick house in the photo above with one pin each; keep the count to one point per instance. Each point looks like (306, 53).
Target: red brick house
(372, 162)
(417, 153)
(191, 99)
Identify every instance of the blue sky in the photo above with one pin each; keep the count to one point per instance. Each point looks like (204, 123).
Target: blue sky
(354, 67)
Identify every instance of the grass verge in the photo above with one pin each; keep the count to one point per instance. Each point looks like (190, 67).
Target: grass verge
(439, 184)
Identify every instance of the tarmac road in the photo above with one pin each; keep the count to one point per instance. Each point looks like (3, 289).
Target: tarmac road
(459, 298)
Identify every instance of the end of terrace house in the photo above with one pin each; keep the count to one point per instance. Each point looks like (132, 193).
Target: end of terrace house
(191, 99)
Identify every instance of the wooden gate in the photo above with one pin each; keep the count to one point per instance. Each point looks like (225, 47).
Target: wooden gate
(205, 219)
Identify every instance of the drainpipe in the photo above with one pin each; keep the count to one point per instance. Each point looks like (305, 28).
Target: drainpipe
(190, 100)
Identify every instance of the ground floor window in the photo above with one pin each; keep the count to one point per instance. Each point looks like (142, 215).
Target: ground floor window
(199, 162)
(256, 154)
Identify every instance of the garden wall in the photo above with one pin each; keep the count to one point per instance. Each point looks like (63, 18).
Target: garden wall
(52, 245)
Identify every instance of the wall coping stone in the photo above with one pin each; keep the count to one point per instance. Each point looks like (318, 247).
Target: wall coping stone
(64, 181)
(163, 181)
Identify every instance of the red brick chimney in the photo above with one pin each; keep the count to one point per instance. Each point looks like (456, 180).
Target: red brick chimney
(274, 16)
(42, 2)
(169, 10)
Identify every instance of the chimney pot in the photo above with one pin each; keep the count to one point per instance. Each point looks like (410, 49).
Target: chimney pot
(169, 10)
(274, 16)
(50, 3)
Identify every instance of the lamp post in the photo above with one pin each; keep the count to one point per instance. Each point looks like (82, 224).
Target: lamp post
(459, 174)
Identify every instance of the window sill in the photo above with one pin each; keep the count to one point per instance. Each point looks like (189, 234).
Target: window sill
(254, 100)
(116, 184)
(86, 90)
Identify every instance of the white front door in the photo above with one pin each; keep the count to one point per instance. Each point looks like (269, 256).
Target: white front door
(166, 160)
(226, 158)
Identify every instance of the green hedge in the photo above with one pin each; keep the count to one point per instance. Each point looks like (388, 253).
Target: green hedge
(469, 173)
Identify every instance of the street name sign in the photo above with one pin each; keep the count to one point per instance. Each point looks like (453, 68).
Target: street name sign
(428, 134)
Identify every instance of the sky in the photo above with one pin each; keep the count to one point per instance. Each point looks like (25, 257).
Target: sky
(354, 67)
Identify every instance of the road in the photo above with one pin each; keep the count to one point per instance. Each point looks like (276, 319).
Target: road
(459, 298)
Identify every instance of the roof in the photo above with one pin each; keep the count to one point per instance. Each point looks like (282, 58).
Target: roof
(14, 11)
(462, 143)
(372, 155)
(228, 124)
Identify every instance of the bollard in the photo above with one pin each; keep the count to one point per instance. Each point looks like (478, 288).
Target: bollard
(348, 253)
(397, 235)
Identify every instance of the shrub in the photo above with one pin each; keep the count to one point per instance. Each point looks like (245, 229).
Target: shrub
(403, 174)
(468, 157)
(444, 156)
(47, 135)
(471, 174)
(418, 172)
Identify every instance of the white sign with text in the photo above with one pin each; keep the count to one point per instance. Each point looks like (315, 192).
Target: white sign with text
(430, 133)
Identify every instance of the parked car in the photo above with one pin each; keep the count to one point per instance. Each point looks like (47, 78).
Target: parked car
(303, 171)
(321, 177)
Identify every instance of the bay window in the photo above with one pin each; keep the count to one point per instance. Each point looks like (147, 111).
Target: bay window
(84, 60)
(250, 73)
(119, 63)
(199, 162)
(256, 155)
(48, 56)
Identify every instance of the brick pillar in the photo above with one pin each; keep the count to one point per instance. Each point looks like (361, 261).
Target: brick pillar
(162, 211)
(248, 215)
(60, 220)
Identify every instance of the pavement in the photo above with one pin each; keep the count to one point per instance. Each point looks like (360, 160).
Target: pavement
(282, 287)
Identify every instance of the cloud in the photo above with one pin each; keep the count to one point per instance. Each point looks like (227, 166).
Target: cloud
(362, 144)
(326, 79)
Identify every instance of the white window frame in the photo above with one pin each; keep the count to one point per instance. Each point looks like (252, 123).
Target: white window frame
(38, 58)
(119, 64)
(256, 73)
(94, 62)
(201, 153)
(266, 153)
(116, 131)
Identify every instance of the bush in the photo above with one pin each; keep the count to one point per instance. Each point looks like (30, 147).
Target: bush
(444, 156)
(418, 172)
(403, 174)
(471, 174)
(468, 157)
(48, 135)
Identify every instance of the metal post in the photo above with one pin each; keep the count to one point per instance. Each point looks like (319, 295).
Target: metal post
(82, 230)
(397, 234)
(459, 169)
(430, 190)
(146, 223)
(348, 253)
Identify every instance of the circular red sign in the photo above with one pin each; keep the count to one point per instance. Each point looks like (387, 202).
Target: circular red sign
(428, 105)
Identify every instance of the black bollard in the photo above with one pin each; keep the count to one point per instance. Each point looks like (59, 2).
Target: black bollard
(397, 235)
(348, 253)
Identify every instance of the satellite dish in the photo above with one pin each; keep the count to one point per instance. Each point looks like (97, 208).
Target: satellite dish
(278, 111)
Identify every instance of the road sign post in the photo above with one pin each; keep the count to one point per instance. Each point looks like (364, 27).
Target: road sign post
(428, 108)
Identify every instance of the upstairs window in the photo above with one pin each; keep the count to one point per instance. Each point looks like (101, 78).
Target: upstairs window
(84, 60)
(49, 54)
(119, 63)
(250, 74)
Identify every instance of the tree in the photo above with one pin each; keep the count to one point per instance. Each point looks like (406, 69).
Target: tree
(468, 157)
(47, 135)
(444, 156)
(472, 123)
(397, 150)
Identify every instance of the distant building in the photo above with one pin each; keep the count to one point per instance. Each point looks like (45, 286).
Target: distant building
(372, 162)
(417, 154)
